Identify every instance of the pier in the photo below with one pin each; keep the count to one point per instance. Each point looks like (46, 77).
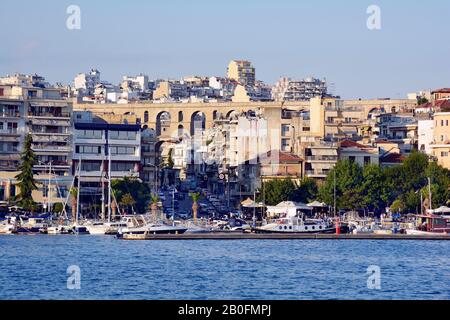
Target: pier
(253, 236)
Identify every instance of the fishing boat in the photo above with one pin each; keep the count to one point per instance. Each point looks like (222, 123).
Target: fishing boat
(296, 225)
(429, 225)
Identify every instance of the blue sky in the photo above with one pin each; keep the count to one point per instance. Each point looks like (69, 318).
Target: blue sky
(174, 38)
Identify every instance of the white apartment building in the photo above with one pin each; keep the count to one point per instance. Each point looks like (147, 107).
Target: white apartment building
(28, 105)
(100, 140)
(287, 89)
(426, 136)
(85, 83)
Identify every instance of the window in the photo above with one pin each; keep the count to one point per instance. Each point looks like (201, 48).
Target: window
(351, 159)
(90, 166)
(285, 130)
(366, 161)
(444, 154)
(88, 149)
(2, 92)
(122, 150)
(122, 166)
(122, 135)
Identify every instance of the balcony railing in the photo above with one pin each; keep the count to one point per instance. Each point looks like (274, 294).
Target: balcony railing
(322, 158)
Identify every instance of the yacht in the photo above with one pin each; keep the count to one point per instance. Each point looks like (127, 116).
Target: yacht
(140, 225)
(104, 228)
(32, 225)
(296, 225)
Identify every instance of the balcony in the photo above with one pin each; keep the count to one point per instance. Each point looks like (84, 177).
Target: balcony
(12, 132)
(50, 122)
(51, 148)
(322, 158)
(316, 173)
(61, 115)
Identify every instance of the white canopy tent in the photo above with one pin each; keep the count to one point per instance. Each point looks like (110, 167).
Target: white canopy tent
(286, 209)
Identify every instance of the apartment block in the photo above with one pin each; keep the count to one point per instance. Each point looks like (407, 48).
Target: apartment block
(29, 105)
(242, 71)
(441, 141)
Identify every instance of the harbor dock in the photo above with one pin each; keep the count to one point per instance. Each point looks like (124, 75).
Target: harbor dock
(254, 236)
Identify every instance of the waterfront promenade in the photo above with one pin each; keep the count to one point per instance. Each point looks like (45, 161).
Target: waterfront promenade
(253, 236)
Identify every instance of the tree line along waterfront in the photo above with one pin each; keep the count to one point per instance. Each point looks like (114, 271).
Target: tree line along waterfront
(404, 188)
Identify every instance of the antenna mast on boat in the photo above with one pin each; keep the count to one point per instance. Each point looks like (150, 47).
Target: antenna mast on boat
(429, 192)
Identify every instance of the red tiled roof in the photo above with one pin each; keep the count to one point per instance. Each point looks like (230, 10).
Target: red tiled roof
(283, 157)
(383, 141)
(443, 90)
(393, 158)
(352, 144)
(443, 104)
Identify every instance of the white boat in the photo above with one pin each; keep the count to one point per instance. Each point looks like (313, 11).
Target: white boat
(32, 225)
(7, 228)
(58, 230)
(139, 225)
(104, 228)
(414, 232)
(296, 225)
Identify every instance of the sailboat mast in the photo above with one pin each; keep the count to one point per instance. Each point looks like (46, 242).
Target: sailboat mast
(78, 193)
(102, 184)
(109, 184)
(49, 195)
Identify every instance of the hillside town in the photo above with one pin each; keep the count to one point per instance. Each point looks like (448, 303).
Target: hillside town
(225, 137)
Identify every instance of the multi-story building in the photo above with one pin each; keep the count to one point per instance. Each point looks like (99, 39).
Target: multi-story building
(242, 72)
(359, 153)
(287, 89)
(85, 83)
(441, 143)
(29, 106)
(100, 140)
(426, 136)
(440, 94)
(170, 91)
(398, 128)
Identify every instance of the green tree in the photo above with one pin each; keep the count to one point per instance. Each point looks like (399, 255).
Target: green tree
(306, 192)
(139, 191)
(275, 191)
(375, 189)
(127, 201)
(421, 100)
(348, 179)
(26, 178)
(397, 206)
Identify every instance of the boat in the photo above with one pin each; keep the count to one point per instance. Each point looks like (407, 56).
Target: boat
(429, 225)
(8, 226)
(79, 230)
(104, 228)
(58, 230)
(140, 225)
(296, 225)
(32, 225)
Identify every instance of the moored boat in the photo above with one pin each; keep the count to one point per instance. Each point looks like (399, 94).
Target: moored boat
(297, 225)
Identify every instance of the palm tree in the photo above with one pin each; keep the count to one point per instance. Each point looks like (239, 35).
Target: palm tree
(74, 195)
(127, 201)
(195, 197)
(154, 205)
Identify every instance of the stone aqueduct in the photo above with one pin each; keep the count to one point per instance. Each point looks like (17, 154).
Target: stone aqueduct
(170, 119)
